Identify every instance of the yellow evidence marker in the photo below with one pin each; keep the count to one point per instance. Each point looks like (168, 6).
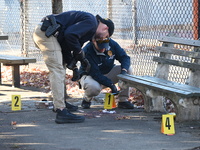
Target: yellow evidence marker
(167, 126)
(109, 102)
(16, 102)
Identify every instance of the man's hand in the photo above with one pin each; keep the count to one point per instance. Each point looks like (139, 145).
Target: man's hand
(80, 56)
(123, 71)
(76, 75)
(72, 65)
(114, 89)
(84, 62)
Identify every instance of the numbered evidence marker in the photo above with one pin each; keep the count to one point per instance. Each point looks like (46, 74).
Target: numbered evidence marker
(167, 126)
(109, 102)
(16, 102)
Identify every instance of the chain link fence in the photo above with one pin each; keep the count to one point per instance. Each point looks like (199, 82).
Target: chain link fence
(138, 24)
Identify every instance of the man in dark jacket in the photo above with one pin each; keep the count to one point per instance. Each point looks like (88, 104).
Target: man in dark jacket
(101, 54)
(60, 38)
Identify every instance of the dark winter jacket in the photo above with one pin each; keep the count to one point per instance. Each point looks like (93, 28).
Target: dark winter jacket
(77, 27)
(102, 63)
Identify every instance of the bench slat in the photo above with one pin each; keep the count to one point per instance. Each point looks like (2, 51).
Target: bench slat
(176, 40)
(175, 51)
(162, 85)
(183, 87)
(136, 82)
(177, 63)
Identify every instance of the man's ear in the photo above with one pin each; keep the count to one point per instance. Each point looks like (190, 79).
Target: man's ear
(106, 27)
(93, 41)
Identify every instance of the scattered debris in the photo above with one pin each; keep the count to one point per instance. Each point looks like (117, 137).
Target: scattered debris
(44, 104)
(109, 111)
(136, 98)
(122, 117)
(13, 124)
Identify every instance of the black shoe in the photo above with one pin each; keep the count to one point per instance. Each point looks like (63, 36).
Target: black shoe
(64, 116)
(71, 107)
(85, 104)
(125, 105)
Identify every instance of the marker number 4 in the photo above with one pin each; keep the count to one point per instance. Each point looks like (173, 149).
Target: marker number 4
(167, 123)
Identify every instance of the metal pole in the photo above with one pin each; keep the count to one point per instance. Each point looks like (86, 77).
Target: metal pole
(134, 10)
(22, 25)
(109, 9)
(25, 26)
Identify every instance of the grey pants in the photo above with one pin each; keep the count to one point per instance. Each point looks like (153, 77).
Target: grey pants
(92, 88)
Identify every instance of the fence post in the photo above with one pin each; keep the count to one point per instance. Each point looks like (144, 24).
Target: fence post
(134, 10)
(109, 9)
(24, 22)
(57, 6)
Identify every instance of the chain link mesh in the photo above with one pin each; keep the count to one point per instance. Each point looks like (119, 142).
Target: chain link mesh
(138, 25)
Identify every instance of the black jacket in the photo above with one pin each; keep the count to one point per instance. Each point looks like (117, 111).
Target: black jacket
(102, 63)
(77, 27)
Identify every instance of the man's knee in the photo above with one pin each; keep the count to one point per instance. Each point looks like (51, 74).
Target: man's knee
(130, 70)
(92, 90)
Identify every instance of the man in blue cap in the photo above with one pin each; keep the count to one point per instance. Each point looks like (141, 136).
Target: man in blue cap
(101, 54)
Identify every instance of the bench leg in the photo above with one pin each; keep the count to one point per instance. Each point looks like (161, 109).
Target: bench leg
(187, 110)
(15, 76)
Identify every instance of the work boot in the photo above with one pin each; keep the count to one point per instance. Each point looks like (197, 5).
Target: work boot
(85, 104)
(125, 105)
(64, 116)
(71, 107)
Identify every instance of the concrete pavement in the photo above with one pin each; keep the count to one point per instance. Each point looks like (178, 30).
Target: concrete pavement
(35, 129)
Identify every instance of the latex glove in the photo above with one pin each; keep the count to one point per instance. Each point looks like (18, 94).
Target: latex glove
(123, 71)
(72, 65)
(79, 56)
(86, 65)
(76, 75)
(114, 89)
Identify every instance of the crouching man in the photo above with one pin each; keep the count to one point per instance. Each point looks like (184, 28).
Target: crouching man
(101, 54)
